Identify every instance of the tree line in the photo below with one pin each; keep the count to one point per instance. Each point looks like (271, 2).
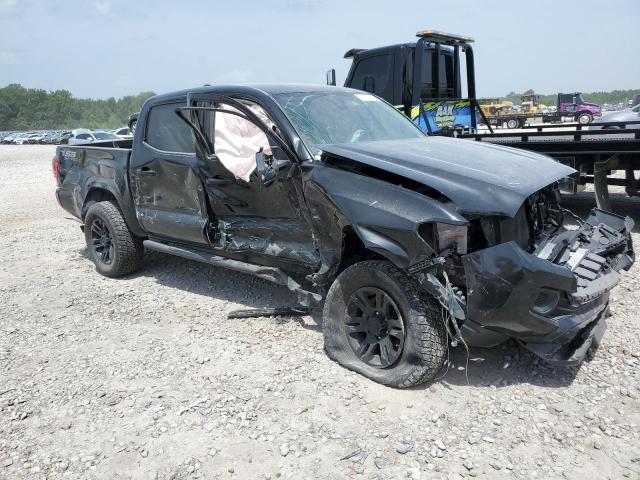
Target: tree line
(613, 97)
(35, 109)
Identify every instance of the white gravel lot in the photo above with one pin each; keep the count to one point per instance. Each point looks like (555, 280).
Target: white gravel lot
(145, 377)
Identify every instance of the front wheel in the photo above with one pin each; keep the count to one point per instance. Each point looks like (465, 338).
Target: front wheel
(377, 321)
(512, 123)
(585, 118)
(115, 251)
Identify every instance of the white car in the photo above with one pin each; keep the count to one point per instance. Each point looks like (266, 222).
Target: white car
(124, 132)
(22, 138)
(89, 137)
(36, 137)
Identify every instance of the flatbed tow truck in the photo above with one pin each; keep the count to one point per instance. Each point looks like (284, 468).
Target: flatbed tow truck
(570, 107)
(428, 89)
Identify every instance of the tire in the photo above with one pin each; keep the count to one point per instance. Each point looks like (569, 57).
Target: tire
(124, 250)
(584, 118)
(513, 123)
(424, 346)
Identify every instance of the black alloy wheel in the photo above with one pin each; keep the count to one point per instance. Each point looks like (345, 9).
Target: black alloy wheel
(101, 241)
(374, 327)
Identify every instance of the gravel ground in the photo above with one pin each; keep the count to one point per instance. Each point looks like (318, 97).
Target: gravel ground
(145, 377)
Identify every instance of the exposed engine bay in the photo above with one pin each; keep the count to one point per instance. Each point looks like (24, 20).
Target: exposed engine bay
(531, 278)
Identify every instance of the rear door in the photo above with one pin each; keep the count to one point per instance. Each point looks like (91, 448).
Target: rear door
(167, 189)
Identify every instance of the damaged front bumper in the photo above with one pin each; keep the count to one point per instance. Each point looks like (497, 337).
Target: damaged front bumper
(553, 301)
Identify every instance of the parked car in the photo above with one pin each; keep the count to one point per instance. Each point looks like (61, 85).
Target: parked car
(21, 139)
(89, 137)
(64, 137)
(36, 137)
(410, 241)
(9, 138)
(59, 138)
(47, 138)
(628, 115)
(124, 132)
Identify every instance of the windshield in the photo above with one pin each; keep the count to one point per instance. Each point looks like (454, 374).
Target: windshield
(324, 118)
(104, 135)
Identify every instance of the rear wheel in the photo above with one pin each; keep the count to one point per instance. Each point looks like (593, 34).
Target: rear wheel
(512, 123)
(115, 251)
(378, 322)
(585, 118)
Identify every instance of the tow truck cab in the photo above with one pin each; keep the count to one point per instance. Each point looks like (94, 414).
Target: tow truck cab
(388, 73)
(391, 72)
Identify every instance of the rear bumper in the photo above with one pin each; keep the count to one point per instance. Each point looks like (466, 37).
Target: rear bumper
(553, 301)
(66, 201)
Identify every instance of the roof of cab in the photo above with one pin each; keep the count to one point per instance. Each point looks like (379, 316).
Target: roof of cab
(268, 89)
(354, 52)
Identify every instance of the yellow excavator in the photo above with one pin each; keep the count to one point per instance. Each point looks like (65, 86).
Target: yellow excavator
(531, 104)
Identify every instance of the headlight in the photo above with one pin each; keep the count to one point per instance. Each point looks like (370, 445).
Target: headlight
(451, 237)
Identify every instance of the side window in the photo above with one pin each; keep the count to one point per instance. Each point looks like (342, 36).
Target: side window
(82, 136)
(166, 131)
(445, 75)
(372, 75)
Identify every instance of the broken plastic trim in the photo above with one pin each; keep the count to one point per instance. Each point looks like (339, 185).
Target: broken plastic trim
(271, 274)
(453, 305)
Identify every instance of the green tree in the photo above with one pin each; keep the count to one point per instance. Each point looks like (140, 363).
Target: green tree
(35, 109)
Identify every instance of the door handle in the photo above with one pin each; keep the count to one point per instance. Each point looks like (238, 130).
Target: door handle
(146, 171)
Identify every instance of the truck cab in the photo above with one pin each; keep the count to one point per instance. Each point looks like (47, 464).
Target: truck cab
(388, 73)
(426, 87)
(573, 104)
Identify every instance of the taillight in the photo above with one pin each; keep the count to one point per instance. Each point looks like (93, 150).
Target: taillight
(55, 166)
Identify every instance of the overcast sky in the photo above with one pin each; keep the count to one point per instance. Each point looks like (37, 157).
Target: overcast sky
(103, 48)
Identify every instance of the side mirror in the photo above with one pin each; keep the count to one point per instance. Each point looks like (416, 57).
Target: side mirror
(267, 168)
(331, 77)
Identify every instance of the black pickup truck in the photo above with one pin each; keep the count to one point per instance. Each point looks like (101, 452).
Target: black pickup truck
(410, 242)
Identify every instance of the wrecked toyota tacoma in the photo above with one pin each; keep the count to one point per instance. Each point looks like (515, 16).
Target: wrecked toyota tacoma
(411, 243)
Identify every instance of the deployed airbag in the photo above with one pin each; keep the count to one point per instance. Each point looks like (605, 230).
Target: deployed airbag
(237, 140)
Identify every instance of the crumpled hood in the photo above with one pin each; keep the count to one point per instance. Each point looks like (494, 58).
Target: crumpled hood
(480, 178)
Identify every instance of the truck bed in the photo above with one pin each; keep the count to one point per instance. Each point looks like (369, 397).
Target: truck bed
(84, 169)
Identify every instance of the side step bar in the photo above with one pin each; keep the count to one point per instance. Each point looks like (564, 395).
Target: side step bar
(272, 274)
